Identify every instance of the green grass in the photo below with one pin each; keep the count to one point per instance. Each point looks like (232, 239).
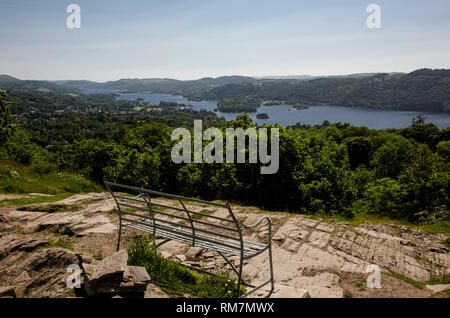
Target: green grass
(361, 284)
(56, 229)
(444, 294)
(98, 255)
(112, 211)
(176, 279)
(410, 281)
(446, 242)
(158, 208)
(52, 208)
(35, 199)
(432, 281)
(348, 294)
(195, 216)
(357, 220)
(437, 227)
(439, 280)
(41, 178)
(17, 178)
(63, 242)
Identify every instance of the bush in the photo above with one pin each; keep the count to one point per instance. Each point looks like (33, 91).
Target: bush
(443, 150)
(382, 197)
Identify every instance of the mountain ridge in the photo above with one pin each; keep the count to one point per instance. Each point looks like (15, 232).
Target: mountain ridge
(420, 90)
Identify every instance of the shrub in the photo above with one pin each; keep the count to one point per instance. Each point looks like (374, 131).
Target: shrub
(382, 197)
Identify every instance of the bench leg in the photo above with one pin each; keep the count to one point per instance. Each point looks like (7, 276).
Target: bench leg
(120, 234)
(271, 269)
(241, 264)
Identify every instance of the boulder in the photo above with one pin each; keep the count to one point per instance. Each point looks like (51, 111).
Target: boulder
(193, 253)
(111, 266)
(135, 279)
(113, 276)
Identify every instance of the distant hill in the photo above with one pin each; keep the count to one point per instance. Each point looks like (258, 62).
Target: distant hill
(81, 85)
(424, 90)
(159, 85)
(45, 87)
(7, 78)
(310, 77)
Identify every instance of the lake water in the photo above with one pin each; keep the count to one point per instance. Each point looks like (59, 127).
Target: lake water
(286, 115)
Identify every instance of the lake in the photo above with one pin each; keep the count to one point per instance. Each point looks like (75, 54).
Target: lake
(287, 115)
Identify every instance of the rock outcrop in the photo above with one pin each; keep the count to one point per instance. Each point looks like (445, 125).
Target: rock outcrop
(18, 243)
(311, 256)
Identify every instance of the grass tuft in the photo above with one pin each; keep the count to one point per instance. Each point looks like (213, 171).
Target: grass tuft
(176, 279)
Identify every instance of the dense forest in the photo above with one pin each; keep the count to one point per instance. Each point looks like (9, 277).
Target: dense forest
(58, 119)
(245, 105)
(332, 169)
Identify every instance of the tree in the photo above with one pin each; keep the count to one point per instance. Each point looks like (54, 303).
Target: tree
(393, 156)
(359, 151)
(428, 134)
(443, 150)
(419, 120)
(5, 117)
(427, 186)
(383, 197)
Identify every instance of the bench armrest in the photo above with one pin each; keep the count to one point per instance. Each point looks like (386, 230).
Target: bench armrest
(269, 227)
(269, 223)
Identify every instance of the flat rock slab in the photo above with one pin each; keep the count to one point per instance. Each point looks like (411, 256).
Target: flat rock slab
(107, 228)
(322, 285)
(290, 292)
(438, 288)
(13, 242)
(49, 258)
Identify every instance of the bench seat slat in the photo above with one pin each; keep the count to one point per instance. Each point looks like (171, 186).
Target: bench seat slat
(170, 207)
(181, 225)
(206, 241)
(188, 234)
(186, 240)
(177, 216)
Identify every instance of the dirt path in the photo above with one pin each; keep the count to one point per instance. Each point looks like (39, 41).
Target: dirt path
(327, 259)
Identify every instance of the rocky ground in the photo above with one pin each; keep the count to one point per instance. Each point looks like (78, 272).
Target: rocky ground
(313, 258)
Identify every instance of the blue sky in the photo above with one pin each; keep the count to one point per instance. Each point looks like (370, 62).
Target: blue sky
(190, 39)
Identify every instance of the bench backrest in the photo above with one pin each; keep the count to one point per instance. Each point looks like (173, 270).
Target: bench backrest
(181, 215)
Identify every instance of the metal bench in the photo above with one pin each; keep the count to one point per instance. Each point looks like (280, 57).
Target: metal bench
(176, 222)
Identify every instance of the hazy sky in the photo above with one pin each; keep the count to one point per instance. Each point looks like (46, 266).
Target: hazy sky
(190, 39)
